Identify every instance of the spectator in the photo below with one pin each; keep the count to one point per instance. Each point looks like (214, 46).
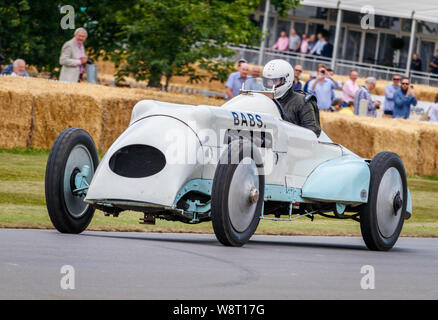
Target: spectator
(322, 87)
(433, 111)
(297, 85)
(313, 75)
(294, 41)
(235, 81)
(239, 63)
(331, 74)
(327, 49)
(364, 94)
(19, 68)
(348, 110)
(336, 105)
(8, 69)
(390, 89)
(256, 82)
(311, 43)
(317, 48)
(416, 63)
(350, 88)
(304, 46)
(73, 58)
(404, 97)
(434, 63)
(282, 43)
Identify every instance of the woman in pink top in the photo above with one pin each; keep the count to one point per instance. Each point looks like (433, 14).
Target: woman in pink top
(282, 43)
(350, 87)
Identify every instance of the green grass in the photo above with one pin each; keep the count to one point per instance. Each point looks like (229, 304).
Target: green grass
(22, 205)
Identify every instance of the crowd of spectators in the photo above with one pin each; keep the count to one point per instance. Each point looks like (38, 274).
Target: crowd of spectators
(72, 60)
(400, 95)
(318, 44)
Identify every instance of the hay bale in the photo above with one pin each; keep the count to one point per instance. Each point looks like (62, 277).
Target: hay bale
(428, 150)
(55, 112)
(115, 119)
(16, 118)
(368, 136)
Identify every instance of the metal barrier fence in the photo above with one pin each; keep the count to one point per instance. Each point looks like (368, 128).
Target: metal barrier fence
(343, 67)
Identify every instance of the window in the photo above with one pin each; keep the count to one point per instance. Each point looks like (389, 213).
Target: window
(369, 52)
(427, 28)
(311, 12)
(406, 25)
(387, 22)
(351, 17)
(353, 47)
(386, 53)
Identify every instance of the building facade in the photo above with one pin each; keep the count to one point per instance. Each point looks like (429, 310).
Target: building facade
(370, 46)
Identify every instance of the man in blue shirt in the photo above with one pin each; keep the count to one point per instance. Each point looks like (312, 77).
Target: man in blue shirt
(390, 89)
(404, 97)
(322, 87)
(235, 81)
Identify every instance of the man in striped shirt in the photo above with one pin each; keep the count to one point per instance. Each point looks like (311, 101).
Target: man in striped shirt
(364, 94)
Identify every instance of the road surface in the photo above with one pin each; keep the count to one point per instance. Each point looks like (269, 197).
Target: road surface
(116, 265)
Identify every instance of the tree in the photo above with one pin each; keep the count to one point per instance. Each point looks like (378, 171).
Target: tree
(146, 38)
(30, 30)
(171, 37)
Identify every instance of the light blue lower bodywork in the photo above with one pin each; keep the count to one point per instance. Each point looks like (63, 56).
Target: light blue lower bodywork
(345, 179)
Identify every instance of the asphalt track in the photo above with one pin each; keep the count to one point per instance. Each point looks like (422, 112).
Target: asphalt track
(113, 265)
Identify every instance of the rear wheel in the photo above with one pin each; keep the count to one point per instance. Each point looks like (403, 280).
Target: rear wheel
(381, 219)
(237, 194)
(73, 154)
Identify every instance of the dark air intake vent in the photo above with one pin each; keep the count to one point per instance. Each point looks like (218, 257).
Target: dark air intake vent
(137, 161)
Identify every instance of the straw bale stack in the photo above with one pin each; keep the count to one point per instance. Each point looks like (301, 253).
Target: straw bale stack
(34, 111)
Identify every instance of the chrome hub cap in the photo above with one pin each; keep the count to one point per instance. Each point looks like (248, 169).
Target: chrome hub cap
(243, 195)
(79, 156)
(389, 202)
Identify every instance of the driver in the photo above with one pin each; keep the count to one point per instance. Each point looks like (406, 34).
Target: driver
(296, 106)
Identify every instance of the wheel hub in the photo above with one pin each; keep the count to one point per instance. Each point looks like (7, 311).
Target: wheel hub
(398, 203)
(253, 195)
(389, 202)
(243, 195)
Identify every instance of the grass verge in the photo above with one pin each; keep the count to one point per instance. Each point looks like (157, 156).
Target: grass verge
(22, 205)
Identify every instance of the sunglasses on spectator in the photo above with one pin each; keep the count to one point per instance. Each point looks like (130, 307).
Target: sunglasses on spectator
(405, 83)
(396, 79)
(298, 70)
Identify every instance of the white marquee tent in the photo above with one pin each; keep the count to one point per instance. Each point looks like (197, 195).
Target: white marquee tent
(426, 10)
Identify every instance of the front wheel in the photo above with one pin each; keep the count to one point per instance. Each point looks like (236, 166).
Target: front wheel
(381, 219)
(237, 194)
(72, 162)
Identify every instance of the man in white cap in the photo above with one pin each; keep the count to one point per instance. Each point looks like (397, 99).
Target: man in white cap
(296, 107)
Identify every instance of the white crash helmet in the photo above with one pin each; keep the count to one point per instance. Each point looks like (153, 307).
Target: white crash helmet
(278, 73)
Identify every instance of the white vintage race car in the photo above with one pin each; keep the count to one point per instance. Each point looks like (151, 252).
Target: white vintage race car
(233, 165)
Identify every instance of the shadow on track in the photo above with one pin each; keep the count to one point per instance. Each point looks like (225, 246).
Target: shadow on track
(251, 243)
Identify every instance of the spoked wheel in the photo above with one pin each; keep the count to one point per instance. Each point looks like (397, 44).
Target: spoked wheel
(237, 194)
(381, 219)
(71, 165)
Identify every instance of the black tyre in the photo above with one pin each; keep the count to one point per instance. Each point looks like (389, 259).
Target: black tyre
(237, 194)
(381, 219)
(72, 150)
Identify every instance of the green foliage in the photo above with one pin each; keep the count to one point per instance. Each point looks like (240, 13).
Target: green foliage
(146, 38)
